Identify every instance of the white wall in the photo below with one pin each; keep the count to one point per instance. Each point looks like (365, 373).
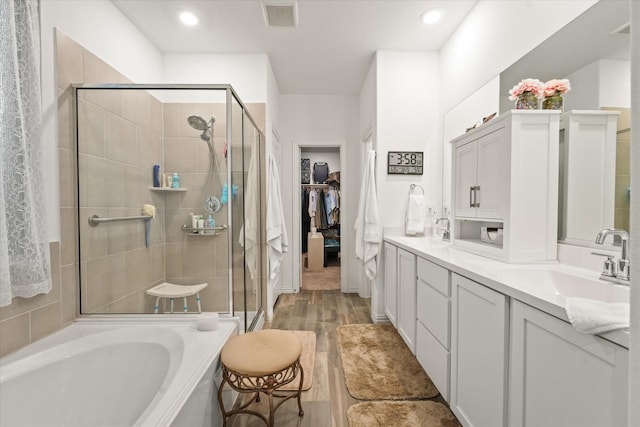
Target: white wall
(408, 119)
(478, 105)
(101, 28)
(493, 36)
(247, 73)
(321, 121)
(603, 83)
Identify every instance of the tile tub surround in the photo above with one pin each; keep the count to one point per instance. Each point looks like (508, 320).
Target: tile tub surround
(533, 289)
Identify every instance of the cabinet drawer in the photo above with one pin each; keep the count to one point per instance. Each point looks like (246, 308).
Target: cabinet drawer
(434, 359)
(434, 275)
(433, 310)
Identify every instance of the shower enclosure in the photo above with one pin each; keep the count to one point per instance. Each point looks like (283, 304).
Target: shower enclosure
(169, 191)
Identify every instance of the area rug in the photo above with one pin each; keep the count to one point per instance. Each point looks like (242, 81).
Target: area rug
(401, 414)
(379, 366)
(307, 360)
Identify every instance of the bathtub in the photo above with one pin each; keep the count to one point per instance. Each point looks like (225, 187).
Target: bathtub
(117, 372)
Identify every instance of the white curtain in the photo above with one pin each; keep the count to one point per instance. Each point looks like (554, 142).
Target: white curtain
(24, 248)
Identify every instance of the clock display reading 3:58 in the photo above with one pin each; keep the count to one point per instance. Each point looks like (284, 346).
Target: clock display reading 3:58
(405, 162)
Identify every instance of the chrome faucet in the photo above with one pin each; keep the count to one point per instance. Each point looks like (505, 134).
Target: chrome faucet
(617, 272)
(446, 233)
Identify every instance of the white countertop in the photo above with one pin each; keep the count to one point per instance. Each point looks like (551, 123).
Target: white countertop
(543, 286)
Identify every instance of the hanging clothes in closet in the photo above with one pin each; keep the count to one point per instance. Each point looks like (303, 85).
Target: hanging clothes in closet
(306, 219)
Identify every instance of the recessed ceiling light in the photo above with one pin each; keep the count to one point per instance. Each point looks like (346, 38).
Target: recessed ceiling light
(431, 16)
(188, 18)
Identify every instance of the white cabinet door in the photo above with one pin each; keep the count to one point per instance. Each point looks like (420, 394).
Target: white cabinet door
(492, 180)
(407, 298)
(559, 377)
(466, 167)
(390, 283)
(478, 353)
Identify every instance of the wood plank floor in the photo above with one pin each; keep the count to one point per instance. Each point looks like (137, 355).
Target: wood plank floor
(326, 403)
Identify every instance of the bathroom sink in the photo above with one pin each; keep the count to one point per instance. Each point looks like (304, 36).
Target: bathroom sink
(568, 285)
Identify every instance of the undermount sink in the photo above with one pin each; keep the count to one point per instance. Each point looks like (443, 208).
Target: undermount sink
(568, 285)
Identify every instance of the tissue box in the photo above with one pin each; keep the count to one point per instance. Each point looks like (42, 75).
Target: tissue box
(492, 235)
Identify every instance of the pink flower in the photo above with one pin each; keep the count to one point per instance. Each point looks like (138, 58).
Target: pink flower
(552, 86)
(527, 85)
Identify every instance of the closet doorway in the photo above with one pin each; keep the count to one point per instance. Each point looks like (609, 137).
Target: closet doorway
(320, 202)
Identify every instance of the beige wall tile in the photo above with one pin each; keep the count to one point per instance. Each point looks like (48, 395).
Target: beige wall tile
(136, 188)
(173, 259)
(15, 333)
(138, 268)
(68, 236)
(68, 61)
(215, 295)
(69, 287)
(101, 182)
(98, 71)
(124, 236)
(93, 240)
(66, 177)
(128, 304)
(173, 222)
(199, 259)
(171, 120)
(157, 263)
(135, 107)
(181, 155)
(120, 139)
(91, 122)
(45, 321)
(622, 192)
(155, 115)
(149, 150)
(105, 282)
(66, 127)
(199, 190)
(258, 112)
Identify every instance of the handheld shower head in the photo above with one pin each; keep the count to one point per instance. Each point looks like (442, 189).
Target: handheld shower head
(198, 123)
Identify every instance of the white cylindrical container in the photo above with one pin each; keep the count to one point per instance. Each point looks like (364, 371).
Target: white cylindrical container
(194, 222)
(208, 321)
(201, 225)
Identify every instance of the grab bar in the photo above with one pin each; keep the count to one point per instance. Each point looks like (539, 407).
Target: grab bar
(95, 220)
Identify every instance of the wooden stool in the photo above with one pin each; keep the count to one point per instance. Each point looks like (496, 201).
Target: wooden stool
(261, 362)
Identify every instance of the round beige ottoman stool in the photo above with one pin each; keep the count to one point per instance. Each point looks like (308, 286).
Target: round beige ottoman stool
(261, 362)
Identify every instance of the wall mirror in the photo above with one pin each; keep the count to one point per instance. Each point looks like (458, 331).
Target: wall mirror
(593, 52)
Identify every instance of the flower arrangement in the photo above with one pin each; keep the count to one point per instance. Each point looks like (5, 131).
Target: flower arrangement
(555, 86)
(534, 86)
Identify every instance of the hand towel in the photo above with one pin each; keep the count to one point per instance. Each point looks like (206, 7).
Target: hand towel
(415, 214)
(276, 228)
(594, 317)
(368, 229)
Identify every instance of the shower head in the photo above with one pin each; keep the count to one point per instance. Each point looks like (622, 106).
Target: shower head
(199, 123)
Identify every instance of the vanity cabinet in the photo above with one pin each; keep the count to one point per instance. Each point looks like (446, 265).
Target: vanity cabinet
(391, 283)
(407, 298)
(479, 328)
(505, 176)
(433, 328)
(481, 178)
(559, 377)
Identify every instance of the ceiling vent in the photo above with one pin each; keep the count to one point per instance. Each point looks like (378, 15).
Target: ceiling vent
(280, 13)
(625, 29)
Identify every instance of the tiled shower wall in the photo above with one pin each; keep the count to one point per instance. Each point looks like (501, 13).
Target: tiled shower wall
(116, 171)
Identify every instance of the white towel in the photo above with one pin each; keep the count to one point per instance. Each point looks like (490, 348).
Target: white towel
(249, 237)
(368, 230)
(594, 317)
(276, 229)
(416, 212)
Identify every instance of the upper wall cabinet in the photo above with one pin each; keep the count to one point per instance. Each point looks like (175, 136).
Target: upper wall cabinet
(505, 187)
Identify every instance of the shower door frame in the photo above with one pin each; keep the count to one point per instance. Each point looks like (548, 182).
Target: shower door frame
(231, 94)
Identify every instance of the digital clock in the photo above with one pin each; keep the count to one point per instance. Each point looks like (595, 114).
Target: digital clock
(405, 162)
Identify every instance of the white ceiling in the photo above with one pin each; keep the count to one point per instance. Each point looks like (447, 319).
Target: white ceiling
(329, 53)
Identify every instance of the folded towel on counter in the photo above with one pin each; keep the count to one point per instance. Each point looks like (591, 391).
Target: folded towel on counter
(594, 317)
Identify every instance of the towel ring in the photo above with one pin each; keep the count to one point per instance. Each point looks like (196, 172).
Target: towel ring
(414, 186)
